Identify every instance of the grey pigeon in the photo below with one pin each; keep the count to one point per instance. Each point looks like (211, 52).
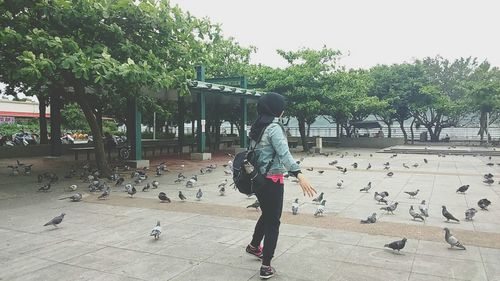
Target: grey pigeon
(222, 190)
(463, 189)
(132, 191)
(397, 245)
(55, 221)
(448, 215)
(412, 193)
(469, 214)
(163, 197)
(366, 188)
(379, 198)
(450, 239)
(390, 174)
(369, 166)
(105, 194)
(255, 205)
(484, 203)
(155, 184)
(426, 161)
(370, 219)
(384, 194)
(414, 214)
(192, 181)
(199, 194)
(295, 206)
(489, 181)
(424, 209)
(321, 209)
(181, 196)
(45, 187)
(119, 181)
(146, 187)
(75, 197)
(156, 231)
(339, 183)
(319, 199)
(391, 208)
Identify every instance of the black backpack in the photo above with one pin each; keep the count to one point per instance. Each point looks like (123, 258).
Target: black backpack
(245, 182)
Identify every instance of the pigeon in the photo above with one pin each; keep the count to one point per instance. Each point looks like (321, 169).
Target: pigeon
(424, 210)
(448, 215)
(390, 174)
(426, 161)
(132, 191)
(310, 169)
(387, 164)
(463, 189)
(159, 172)
(223, 183)
(370, 219)
(415, 165)
(384, 194)
(77, 197)
(255, 205)
(406, 166)
(156, 231)
(489, 181)
(397, 245)
(155, 184)
(105, 194)
(181, 196)
(222, 190)
(387, 168)
(73, 187)
(391, 208)
(199, 194)
(163, 197)
(340, 168)
(469, 214)
(321, 209)
(40, 178)
(55, 221)
(354, 165)
(450, 239)
(488, 176)
(295, 206)
(319, 198)
(146, 187)
(369, 166)
(366, 188)
(321, 172)
(379, 198)
(412, 193)
(45, 187)
(414, 214)
(339, 183)
(119, 181)
(484, 203)
(192, 181)
(344, 171)
(334, 162)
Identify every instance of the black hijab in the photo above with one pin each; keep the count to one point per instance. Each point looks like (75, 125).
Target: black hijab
(269, 106)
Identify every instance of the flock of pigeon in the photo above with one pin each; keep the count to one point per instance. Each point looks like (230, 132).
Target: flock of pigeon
(141, 177)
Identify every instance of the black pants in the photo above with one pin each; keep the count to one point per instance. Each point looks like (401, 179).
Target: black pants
(270, 196)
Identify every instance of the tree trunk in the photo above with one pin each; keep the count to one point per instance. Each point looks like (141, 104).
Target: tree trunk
(55, 121)
(411, 130)
(482, 125)
(43, 119)
(389, 133)
(337, 129)
(434, 134)
(302, 130)
(100, 156)
(402, 126)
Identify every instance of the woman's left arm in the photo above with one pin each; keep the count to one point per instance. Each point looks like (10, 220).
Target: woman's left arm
(280, 145)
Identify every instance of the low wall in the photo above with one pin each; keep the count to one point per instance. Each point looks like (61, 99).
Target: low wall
(362, 142)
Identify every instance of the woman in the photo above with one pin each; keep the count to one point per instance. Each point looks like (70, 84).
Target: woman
(273, 155)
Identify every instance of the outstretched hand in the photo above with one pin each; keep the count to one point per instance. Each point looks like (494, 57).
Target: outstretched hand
(306, 186)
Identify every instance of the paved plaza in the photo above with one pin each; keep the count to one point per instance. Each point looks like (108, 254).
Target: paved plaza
(205, 239)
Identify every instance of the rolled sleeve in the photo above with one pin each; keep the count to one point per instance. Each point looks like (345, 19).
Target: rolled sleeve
(280, 144)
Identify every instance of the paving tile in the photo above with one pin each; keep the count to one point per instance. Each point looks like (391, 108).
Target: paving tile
(216, 272)
(58, 272)
(381, 258)
(20, 264)
(449, 268)
(64, 250)
(349, 271)
(443, 250)
(309, 268)
(106, 259)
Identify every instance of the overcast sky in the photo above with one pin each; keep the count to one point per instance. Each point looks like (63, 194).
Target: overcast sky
(371, 32)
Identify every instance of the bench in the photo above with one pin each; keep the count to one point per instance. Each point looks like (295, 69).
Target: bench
(77, 151)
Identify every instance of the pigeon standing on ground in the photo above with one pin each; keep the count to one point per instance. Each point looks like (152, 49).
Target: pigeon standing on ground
(448, 215)
(295, 206)
(132, 191)
(222, 190)
(370, 219)
(45, 187)
(199, 194)
(379, 198)
(426, 161)
(146, 187)
(412, 193)
(321, 209)
(319, 199)
(414, 214)
(192, 181)
(463, 189)
(77, 197)
(163, 197)
(55, 221)
(366, 188)
(450, 239)
(105, 194)
(484, 203)
(397, 245)
(469, 214)
(181, 196)
(73, 187)
(390, 174)
(155, 184)
(369, 166)
(424, 209)
(119, 181)
(255, 205)
(156, 231)
(339, 183)
(391, 208)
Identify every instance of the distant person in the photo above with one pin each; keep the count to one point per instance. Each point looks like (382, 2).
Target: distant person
(380, 133)
(273, 160)
(110, 143)
(446, 138)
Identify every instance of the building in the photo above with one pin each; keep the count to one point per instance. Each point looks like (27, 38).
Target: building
(19, 111)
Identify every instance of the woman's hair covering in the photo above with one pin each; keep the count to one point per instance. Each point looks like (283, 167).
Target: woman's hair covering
(269, 106)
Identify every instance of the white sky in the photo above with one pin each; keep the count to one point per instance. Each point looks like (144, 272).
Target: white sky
(370, 31)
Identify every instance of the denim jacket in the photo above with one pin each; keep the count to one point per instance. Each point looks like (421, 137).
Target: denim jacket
(274, 140)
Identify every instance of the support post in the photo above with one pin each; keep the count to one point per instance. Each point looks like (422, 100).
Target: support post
(201, 122)
(244, 114)
(134, 129)
(154, 125)
(55, 123)
(180, 122)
